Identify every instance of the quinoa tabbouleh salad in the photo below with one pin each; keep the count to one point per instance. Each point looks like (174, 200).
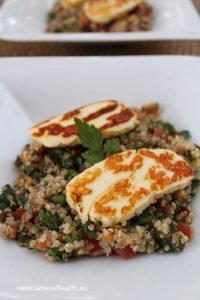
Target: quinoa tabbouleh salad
(100, 16)
(124, 213)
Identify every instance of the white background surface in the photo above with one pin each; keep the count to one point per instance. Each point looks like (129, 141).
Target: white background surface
(46, 86)
(26, 20)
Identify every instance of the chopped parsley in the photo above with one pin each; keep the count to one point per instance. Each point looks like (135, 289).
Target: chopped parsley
(50, 220)
(71, 239)
(59, 255)
(59, 199)
(34, 173)
(17, 162)
(4, 197)
(144, 218)
(71, 174)
(195, 186)
(62, 157)
(21, 200)
(91, 234)
(8, 194)
(23, 240)
(189, 155)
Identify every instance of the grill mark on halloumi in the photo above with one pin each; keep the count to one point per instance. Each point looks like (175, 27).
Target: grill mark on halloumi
(133, 181)
(117, 119)
(100, 112)
(70, 114)
(111, 117)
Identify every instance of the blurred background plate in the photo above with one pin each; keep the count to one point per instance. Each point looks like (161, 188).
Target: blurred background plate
(25, 20)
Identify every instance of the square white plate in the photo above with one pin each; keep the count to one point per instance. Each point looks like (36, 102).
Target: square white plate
(47, 86)
(25, 20)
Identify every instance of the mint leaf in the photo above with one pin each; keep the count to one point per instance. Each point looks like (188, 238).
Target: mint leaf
(93, 156)
(89, 135)
(111, 147)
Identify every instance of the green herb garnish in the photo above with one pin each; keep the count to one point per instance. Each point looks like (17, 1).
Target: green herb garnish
(91, 234)
(89, 135)
(21, 200)
(111, 147)
(23, 240)
(53, 251)
(71, 239)
(173, 227)
(34, 173)
(195, 186)
(71, 174)
(185, 133)
(17, 162)
(59, 199)
(189, 155)
(169, 128)
(93, 156)
(59, 255)
(50, 220)
(91, 138)
(142, 219)
(62, 157)
(4, 197)
(140, 145)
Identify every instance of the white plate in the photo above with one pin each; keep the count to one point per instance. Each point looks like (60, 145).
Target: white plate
(46, 86)
(26, 21)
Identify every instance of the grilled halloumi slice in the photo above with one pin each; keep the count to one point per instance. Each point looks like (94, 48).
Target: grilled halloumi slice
(123, 185)
(87, 186)
(71, 3)
(111, 117)
(104, 11)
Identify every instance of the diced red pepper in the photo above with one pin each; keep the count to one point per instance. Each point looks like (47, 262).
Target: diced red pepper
(125, 252)
(185, 229)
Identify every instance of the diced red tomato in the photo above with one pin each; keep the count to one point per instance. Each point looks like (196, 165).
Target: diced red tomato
(125, 252)
(84, 20)
(18, 214)
(94, 243)
(185, 229)
(2, 217)
(159, 133)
